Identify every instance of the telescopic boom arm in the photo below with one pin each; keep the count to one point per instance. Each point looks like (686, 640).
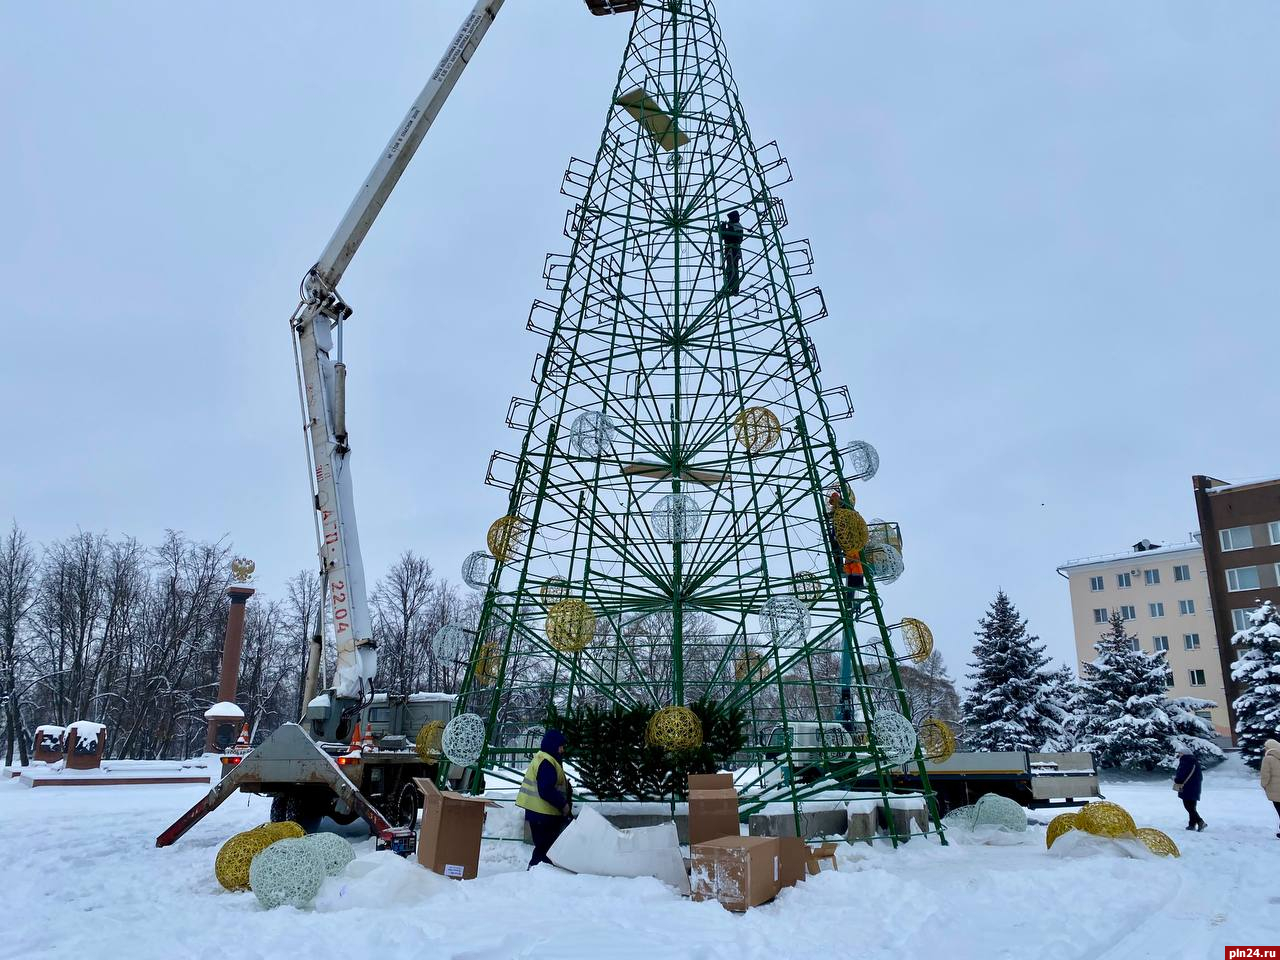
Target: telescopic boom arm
(322, 374)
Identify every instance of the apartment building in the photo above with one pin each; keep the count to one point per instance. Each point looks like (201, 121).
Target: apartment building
(1163, 593)
(1240, 529)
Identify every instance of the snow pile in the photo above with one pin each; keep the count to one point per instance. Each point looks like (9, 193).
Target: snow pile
(224, 710)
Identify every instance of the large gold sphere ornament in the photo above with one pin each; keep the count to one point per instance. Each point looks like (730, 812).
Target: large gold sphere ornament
(809, 587)
(757, 429)
(231, 866)
(486, 663)
(851, 530)
(427, 744)
(570, 625)
(506, 535)
(1158, 842)
(674, 728)
(1059, 825)
(937, 741)
(1106, 819)
(281, 830)
(917, 639)
(242, 569)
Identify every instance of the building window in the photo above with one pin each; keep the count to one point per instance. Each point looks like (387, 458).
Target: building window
(1240, 619)
(1182, 572)
(1236, 538)
(1133, 644)
(1159, 643)
(1191, 641)
(1153, 577)
(1196, 677)
(1128, 613)
(1100, 615)
(1273, 528)
(1123, 580)
(1204, 715)
(1095, 584)
(1186, 607)
(1242, 578)
(1155, 609)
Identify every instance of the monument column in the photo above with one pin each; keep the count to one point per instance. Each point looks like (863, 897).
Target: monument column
(229, 676)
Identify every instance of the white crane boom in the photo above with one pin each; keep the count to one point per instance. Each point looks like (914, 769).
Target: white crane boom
(322, 374)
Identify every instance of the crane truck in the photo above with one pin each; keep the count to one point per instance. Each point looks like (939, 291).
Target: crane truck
(310, 769)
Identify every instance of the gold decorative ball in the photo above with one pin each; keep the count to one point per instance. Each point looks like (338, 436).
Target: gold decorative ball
(937, 741)
(674, 728)
(746, 664)
(553, 591)
(851, 530)
(571, 624)
(231, 866)
(427, 744)
(809, 587)
(917, 639)
(1106, 819)
(757, 429)
(1058, 826)
(506, 535)
(1158, 842)
(485, 665)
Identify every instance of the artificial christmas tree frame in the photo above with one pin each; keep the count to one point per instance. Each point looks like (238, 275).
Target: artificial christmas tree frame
(679, 516)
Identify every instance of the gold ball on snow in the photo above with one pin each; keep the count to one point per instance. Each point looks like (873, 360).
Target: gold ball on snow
(1106, 819)
(1158, 842)
(231, 866)
(1059, 825)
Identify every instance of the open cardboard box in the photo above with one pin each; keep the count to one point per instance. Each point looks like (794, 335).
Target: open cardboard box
(713, 807)
(449, 840)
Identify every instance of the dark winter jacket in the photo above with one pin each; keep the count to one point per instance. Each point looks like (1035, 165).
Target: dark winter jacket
(552, 741)
(1189, 775)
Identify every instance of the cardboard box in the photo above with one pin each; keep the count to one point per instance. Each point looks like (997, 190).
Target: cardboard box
(449, 841)
(739, 872)
(713, 807)
(823, 853)
(794, 856)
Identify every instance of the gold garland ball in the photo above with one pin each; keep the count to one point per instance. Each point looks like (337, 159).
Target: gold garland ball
(1059, 825)
(504, 538)
(917, 638)
(851, 530)
(485, 664)
(674, 728)
(427, 743)
(1158, 842)
(937, 741)
(757, 429)
(1106, 819)
(808, 587)
(231, 866)
(283, 829)
(571, 624)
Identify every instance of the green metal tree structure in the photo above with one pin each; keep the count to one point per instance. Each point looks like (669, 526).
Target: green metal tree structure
(670, 534)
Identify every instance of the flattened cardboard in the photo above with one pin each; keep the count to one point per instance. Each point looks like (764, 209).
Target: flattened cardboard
(794, 859)
(449, 841)
(713, 807)
(822, 853)
(739, 872)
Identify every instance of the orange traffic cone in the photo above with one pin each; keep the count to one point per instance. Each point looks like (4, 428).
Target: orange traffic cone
(367, 745)
(355, 738)
(243, 739)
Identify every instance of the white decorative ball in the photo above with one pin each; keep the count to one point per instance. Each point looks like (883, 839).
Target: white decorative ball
(677, 518)
(860, 460)
(883, 563)
(894, 736)
(591, 434)
(836, 742)
(288, 871)
(997, 811)
(463, 739)
(784, 619)
(476, 570)
(450, 643)
(334, 851)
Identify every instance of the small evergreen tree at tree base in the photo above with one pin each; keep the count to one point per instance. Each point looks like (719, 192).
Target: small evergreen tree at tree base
(1126, 719)
(1257, 671)
(1006, 708)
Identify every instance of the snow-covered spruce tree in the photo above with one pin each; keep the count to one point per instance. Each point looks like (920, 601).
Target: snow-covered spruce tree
(1257, 671)
(1126, 719)
(1063, 693)
(1006, 707)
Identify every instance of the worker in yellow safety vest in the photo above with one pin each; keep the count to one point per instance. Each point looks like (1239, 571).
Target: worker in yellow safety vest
(545, 796)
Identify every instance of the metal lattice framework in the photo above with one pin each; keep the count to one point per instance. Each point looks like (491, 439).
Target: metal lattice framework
(671, 487)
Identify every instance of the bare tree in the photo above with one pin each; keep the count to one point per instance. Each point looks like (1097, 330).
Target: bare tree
(17, 596)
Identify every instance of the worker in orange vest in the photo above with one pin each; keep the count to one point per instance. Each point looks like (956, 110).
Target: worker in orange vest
(854, 580)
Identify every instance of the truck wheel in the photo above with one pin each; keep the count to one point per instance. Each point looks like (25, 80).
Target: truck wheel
(404, 812)
(304, 811)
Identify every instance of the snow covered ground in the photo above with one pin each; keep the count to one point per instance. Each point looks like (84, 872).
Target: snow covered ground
(82, 878)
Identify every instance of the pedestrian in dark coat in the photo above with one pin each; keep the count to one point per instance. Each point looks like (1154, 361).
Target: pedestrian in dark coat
(1186, 780)
(545, 796)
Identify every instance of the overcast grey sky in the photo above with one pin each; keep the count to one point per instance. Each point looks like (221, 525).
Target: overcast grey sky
(1047, 235)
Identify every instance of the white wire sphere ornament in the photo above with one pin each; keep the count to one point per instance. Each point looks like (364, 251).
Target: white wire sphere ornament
(894, 736)
(784, 619)
(476, 570)
(860, 460)
(677, 518)
(883, 562)
(463, 739)
(288, 871)
(591, 434)
(996, 811)
(836, 742)
(334, 851)
(449, 643)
